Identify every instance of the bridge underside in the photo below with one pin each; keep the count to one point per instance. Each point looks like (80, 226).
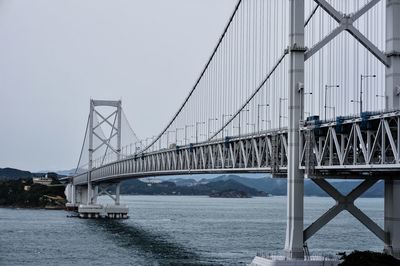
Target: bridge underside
(367, 173)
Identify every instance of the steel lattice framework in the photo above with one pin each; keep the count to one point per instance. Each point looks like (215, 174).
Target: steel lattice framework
(365, 146)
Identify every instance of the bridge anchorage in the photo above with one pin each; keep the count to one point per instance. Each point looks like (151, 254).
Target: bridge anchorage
(246, 114)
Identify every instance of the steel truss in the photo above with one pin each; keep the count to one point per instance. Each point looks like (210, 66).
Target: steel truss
(254, 153)
(352, 147)
(358, 147)
(346, 24)
(345, 203)
(103, 189)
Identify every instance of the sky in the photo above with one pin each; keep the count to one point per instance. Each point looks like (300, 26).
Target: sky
(58, 54)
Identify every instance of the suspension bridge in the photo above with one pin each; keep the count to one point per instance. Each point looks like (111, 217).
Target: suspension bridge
(297, 89)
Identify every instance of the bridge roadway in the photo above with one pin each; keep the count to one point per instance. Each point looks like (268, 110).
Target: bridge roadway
(356, 147)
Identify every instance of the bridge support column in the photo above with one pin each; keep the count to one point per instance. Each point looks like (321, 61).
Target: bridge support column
(81, 195)
(70, 193)
(393, 52)
(112, 211)
(73, 194)
(392, 217)
(295, 190)
(392, 187)
(116, 210)
(91, 149)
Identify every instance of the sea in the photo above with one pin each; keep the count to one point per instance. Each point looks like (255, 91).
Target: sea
(177, 230)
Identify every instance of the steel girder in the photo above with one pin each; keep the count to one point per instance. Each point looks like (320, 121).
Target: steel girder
(362, 147)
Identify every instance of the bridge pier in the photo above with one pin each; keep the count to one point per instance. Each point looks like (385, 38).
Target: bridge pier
(116, 210)
(70, 194)
(392, 217)
(78, 200)
(76, 195)
(112, 211)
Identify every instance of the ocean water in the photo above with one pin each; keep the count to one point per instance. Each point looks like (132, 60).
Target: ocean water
(176, 230)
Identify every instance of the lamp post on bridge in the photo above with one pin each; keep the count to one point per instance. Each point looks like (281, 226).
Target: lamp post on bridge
(362, 77)
(197, 130)
(266, 123)
(176, 134)
(354, 101)
(208, 126)
(152, 139)
(258, 115)
(332, 108)
(326, 93)
(147, 140)
(223, 117)
(252, 124)
(170, 131)
(301, 105)
(280, 107)
(138, 147)
(381, 96)
(186, 127)
(245, 110)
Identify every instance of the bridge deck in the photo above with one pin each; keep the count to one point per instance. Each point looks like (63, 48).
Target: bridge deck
(366, 146)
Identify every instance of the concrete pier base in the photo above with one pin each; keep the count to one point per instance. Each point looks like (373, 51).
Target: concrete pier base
(92, 211)
(71, 207)
(283, 261)
(96, 211)
(116, 211)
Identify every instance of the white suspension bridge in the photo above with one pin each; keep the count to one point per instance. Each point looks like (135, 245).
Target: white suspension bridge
(298, 89)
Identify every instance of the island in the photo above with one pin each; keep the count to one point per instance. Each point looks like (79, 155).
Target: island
(26, 190)
(229, 194)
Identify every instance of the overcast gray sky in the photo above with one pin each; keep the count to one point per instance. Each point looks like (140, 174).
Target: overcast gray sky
(57, 54)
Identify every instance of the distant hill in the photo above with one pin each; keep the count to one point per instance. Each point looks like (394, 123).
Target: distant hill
(7, 174)
(277, 186)
(14, 174)
(184, 182)
(191, 186)
(137, 187)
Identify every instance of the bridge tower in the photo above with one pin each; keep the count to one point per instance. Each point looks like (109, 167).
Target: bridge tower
(115, 133)
(392, 92)
(295, 177)
(296, 236)
(111, 143)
